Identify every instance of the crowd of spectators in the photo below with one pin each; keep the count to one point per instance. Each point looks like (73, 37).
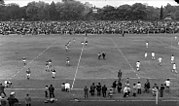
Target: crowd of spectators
(92, 27)
(127, 89)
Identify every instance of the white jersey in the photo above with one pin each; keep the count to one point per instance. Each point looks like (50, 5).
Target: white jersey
(147, 44)
(175, 37)
(172, 58)
(66, 47)
(50, 63)
(167, 83)
(145, 55)
(24, 60)
(159, 59)
(174, 67)
(138, 85)
(137, 64)
(67, 86)
(153, 54)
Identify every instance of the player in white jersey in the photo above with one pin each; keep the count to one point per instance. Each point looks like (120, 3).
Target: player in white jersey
(172, 58)
(145, 55)
(153, 55)
(28, 73)
(147, 44)
(175, 37)
(138, 65)
(174, 68)
(160, 60)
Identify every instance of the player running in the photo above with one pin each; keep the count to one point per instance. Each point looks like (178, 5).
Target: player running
(66, 48)
(172, 58)
(103, 55)
(86, 43)
(28, 73)
(50, 62)
(145, 55)
(47, 67)
(147, 44)
(174, 68)
(160, 61)
(99, 55)
(138, 65)
(153, 55)
(68, 61)
(53, 73)
(175, 37)
(69, 42)
(24, 61)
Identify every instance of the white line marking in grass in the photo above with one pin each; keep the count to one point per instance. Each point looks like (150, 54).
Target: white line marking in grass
(41, 53)
(79, 60)
(119, 50)
(113, 100)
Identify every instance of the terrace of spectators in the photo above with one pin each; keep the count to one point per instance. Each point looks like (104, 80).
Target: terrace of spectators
(92, 27)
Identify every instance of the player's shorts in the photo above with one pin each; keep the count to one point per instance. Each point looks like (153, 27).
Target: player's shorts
(53, 73)
(28, 75)
(167, 87)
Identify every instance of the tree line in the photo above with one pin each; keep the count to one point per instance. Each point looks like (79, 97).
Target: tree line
(75, 10)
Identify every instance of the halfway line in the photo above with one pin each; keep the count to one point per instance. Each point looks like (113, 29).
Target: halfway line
(78, 64)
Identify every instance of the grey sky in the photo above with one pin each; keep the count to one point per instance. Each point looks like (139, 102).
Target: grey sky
(101, 3)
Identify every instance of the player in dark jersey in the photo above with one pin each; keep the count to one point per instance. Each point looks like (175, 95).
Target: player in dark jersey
(24, 61)
(68, 61)
(119, 75)
(53, 73)
(28, 71)
(99, 55)
(103, 55)
(86, 43)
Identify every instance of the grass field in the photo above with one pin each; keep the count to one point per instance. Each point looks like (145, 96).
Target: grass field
(122, 53)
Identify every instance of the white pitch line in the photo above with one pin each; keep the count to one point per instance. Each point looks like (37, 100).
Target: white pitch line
(119, 50)
(41, 53)
(79, 60)
(113, 100)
